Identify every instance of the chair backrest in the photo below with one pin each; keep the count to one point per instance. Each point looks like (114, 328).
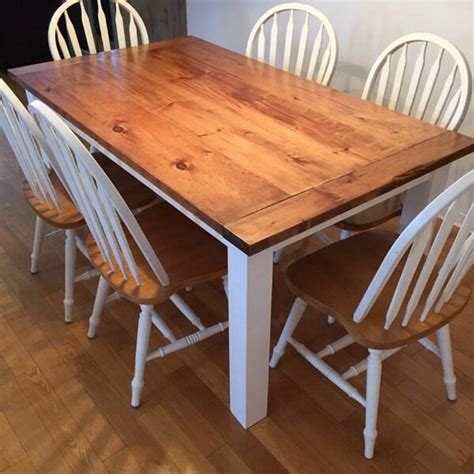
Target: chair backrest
(63, 38)
(28, 145)
(317, 45)
(422, 248)
(439, 94)
(107, 215)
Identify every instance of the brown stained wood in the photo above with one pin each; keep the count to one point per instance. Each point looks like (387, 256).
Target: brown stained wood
(257, 153)
(12, 451)
(271, 225)
(334, 280)
(189, 255)
(134, 193)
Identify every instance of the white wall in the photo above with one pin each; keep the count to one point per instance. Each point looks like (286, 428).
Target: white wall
(363, 29)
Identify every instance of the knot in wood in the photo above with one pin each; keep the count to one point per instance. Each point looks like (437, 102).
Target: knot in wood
(117, 129)
(181, 165)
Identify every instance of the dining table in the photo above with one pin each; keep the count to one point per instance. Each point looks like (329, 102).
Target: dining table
(257, 157)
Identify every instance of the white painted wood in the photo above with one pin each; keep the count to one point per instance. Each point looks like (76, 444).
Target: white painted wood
(397, 83)
(37, 243)
(304, 64)
(273, 40)
(104, 30)
(70, 266)
(294, 317)
(188, 341)
(423, 226)
(288, 41)
(327, 371)
(124, 11)
(361, 367)
(250, 293)
(119, 26)
(374, 375)
(447, 111)
(261, 44)
(28, 145)
(444, 344)
(335, 346)
(99, 303)
(143, 337)
(427, 343)
(161, 325)
(190, 315)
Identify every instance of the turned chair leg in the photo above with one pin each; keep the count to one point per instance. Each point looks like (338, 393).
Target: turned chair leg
(344, 234)
(143, 336)
(99, 302)
(294, 317)
(374, 375)
(277, 255)
(444, 344)
(37, 243)
(70, 266)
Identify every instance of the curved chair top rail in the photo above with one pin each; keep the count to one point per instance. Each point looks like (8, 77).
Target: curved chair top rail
(441, 100)
(63, 47)
(419, 240)
(28, 145)
(316, 62)
(107, 215)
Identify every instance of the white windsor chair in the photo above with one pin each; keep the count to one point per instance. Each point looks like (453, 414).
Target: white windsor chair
(46, 193)
(402, 289)
(439, 94)
(41, 187)
(315, 62)
(146, 258)
(64, 39)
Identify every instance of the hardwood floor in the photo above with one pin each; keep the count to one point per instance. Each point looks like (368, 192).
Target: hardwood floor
(64, 399)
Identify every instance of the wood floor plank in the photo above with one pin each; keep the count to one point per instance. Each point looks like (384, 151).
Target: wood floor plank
(65, 399)
(35, 438)
(22, 467)
(226, 461)
(12, 451)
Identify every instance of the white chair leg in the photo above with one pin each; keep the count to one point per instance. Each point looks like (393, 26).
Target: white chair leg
(294, 317)
(37, 242)
(70, 266)
(190, 315)
(344, 234)
(143, 336)
(444, 344)
(277, 255)
(225, 284)
(99, 302)
(374, 374)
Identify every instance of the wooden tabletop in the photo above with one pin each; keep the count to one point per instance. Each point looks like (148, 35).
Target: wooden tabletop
(255, 152)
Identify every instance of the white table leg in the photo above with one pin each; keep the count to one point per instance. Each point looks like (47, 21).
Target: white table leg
(417, 198)
(250, 296)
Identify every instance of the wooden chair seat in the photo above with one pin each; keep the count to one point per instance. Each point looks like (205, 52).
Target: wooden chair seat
(189, 254)
(373, 216)
(335, 278)
(135, 194)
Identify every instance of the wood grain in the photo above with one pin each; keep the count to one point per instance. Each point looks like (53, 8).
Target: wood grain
(45, 363)
(234, 140)
(323, 278)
